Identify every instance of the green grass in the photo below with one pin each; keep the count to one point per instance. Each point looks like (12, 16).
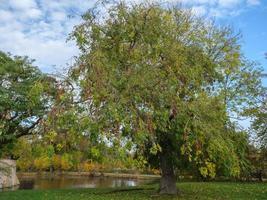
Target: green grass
(188, 190)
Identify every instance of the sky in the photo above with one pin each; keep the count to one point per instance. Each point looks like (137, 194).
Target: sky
(39, 28)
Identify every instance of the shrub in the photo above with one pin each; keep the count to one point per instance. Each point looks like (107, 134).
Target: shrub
(42, 163)
(86, 167)
(66, 162)
(76, 159)
(56, 162)
(24, 164)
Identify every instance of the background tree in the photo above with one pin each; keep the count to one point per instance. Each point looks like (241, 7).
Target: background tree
(158, 77)
(258, 153)
(259, 123)
(25, 96)
(64, 140)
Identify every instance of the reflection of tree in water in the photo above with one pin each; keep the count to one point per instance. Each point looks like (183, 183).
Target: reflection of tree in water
(123, 182)
(26, 184)
(76, 182)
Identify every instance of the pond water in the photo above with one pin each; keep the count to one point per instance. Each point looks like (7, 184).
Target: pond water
(59, 182)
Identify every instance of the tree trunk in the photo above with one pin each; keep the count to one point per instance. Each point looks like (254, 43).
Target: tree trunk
(168, 178)
(260, 176)
(51, 169)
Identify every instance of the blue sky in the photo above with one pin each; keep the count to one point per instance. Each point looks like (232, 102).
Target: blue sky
(252, 22)
(39, 28)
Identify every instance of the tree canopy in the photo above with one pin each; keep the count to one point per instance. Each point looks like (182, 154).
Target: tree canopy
(25, 97)
(169, 82)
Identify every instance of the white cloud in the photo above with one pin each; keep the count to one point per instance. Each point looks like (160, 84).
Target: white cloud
(23, 9)
(229, 3)
(193, 2)
(253, 2)
(33, 13)
(58, 16)
(22, 4)
(199, 10)
(39, 28)
(5, 16)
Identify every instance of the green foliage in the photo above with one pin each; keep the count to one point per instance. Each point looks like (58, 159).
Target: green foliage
(258, 154)
(170, 82)
(23, 152)
(258, 160)
(25, 94)
(66, 161)
(259, 124)
(34, 154)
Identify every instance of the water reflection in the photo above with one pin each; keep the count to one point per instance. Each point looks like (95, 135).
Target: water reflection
(77, 182)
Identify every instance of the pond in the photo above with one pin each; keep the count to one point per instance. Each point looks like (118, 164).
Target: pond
(59, 182)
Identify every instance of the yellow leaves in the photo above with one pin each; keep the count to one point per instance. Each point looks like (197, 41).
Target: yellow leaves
(235, 168)
(24, 164)
(198, 152)
(87, 167)
(155, 149)
(235, 171)
(155, 171)
(141, 162)
(203, 171)
(186, 150)
(167, 17)
(56, 161)
(51, 135)
(209, 170)
(41, 163)
(59, 147)
(66, 162)
(63, 162)
(182, 149)
(190, 158)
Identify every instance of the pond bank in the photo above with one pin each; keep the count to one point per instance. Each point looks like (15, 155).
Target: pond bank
(89, 174)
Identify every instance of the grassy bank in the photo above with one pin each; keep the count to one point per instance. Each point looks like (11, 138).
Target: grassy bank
(189, 190)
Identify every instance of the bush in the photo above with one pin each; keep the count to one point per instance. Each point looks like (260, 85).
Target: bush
(66, 162)
(76, 159)
(24, 164)
(86, 167)
(56, 162)
(42, 163)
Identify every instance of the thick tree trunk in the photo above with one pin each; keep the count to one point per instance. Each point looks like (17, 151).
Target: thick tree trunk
(168, 178)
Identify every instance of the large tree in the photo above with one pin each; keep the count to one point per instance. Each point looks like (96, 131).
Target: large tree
(25, 97)
(159, 78)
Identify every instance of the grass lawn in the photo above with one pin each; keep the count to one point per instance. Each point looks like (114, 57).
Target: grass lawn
(189, 190)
